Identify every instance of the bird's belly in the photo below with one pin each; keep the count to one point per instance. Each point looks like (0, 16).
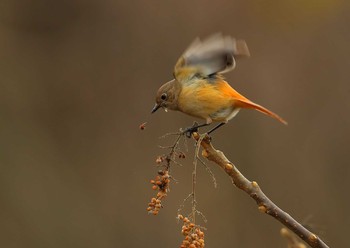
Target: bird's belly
(207, 109)
(224, 114)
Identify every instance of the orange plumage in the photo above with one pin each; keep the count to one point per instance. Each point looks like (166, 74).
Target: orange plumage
(199, 89)
(242, 102)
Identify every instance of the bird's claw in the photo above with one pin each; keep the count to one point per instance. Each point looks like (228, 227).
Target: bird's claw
(190, 130)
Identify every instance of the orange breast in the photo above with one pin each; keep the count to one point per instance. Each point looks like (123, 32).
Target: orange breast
(204, 99)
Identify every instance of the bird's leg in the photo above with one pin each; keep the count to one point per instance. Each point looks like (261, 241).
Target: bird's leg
(190, 130)
(216, 127)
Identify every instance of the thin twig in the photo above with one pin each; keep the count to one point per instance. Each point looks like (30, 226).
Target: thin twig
(253, 190)
(194, 178)
(182, 206)
(209, 171)
(170, 134)
(202, 215)
(171, 155)
(194, 182)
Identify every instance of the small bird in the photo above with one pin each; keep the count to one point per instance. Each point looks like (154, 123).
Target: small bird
(199, 89)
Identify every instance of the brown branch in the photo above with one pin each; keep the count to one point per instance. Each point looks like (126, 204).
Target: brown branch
(254, 191)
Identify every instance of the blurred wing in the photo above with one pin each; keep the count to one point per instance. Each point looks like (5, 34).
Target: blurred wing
(216, 54)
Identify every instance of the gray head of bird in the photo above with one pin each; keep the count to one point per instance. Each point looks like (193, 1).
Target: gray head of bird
(167, 95)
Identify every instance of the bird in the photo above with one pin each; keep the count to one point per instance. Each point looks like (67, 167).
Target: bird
(199, 88)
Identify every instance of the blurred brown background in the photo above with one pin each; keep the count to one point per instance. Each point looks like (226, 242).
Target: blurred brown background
(77, 78)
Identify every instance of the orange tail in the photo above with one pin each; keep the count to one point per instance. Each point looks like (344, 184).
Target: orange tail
(245, 103)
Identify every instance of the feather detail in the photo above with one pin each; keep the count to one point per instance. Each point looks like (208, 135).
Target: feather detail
(248, 104)
(215, 54)
(242, 102)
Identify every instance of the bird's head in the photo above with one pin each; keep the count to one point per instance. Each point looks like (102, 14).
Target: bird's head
(167, 96)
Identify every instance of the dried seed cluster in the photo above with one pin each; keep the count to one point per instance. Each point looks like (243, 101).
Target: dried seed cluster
(167, 158)
(194, 237)
(160, 183)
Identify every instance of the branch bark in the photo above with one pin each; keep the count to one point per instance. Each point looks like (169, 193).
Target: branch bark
(252, 188)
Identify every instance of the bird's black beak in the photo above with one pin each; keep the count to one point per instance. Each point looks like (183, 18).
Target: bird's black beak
(155, 108)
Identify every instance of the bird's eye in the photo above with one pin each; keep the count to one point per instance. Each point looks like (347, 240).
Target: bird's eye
(164, 96)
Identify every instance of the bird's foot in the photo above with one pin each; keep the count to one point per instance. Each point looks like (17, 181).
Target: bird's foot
(190, 130)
